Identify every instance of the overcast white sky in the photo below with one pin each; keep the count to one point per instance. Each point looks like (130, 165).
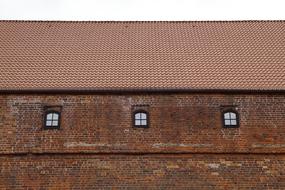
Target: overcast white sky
(142, 9)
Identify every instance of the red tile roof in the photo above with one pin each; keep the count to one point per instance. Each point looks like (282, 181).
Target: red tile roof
(230, 55)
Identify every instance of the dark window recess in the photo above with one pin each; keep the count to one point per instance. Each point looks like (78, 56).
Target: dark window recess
(230, 119)
(141, 119)
(52, 120)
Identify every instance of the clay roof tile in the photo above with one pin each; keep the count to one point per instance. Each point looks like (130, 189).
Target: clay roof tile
(142, 55)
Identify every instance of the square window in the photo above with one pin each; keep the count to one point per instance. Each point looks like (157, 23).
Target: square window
(140, 118)
(52, 118)
(230, 118)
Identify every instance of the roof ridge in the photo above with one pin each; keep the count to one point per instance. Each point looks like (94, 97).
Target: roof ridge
(138, 21)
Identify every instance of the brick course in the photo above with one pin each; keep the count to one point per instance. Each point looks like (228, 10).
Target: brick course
(196, 171)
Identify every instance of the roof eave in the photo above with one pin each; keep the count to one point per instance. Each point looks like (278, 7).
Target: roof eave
(137, 91)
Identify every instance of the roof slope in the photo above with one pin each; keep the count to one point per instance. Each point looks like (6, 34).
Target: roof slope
(244, 55)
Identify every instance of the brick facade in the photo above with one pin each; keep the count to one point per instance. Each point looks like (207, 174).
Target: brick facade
(184, 146)
(191, 171)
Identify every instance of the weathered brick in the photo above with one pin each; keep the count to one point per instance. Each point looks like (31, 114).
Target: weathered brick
(97, 145)
(75, 171)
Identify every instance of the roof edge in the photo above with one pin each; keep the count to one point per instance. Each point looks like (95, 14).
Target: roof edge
(137, 91)
(142, 21)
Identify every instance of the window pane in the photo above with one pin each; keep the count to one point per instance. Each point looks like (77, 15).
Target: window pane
(49, 116)
(227, 122)
(138, 116)
(143, 122)
(137, 122)
(48, 123)
(227, 115)
(143, 115)
(234, 122)
(55, 116)
(55, 123)
(233, 116)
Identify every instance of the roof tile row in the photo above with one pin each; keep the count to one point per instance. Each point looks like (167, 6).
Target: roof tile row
(233, 55)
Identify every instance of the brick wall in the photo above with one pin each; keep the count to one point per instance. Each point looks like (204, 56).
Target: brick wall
(184, 127)
(178, 123)
(202, 171)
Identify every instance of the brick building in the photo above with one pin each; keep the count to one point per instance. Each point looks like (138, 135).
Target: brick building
(133, 105)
